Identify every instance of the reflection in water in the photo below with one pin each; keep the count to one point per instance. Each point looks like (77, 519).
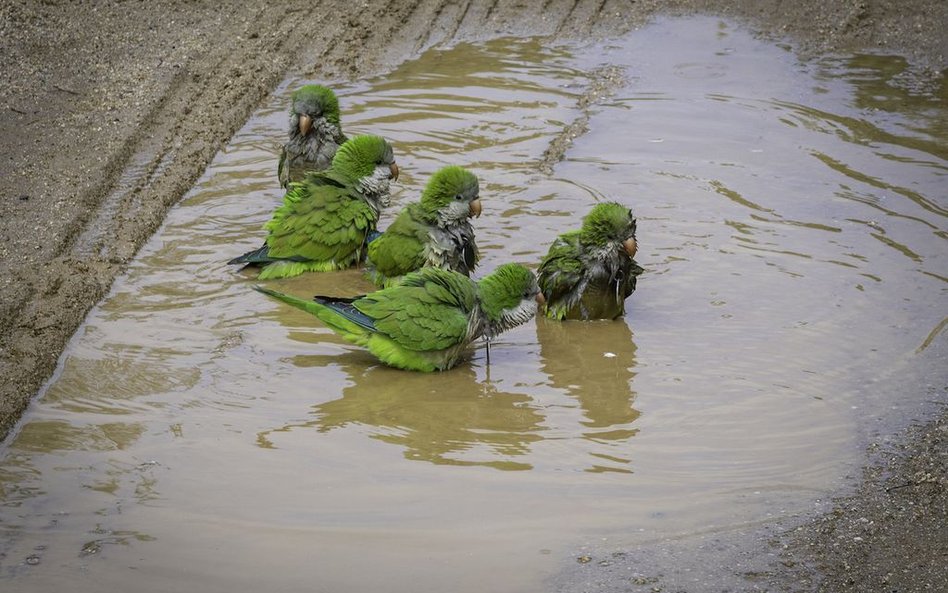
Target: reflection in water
(889, 83)
(447, 418)
(581, 398)
(593, 362)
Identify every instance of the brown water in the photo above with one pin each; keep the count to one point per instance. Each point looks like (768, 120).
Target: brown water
(200, 437)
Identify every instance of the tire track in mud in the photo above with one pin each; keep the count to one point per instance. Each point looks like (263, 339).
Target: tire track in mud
(567, 18)
(583, 18)
(460, 20)
(490, 10)
(424, 40)
(213, 94)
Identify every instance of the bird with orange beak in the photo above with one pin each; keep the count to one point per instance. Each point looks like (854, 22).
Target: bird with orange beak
(433, 232)
(588, 273)
(325, 220)
(315, 133)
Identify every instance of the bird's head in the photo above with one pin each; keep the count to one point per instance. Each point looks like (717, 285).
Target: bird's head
(610, 224)
(369, 162)
(452, 194)
(509, 296)
(310, 103)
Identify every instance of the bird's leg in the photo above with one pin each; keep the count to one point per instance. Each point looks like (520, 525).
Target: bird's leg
(487, 341)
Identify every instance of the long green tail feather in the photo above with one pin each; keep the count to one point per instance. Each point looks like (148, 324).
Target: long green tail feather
(336, 321)
(378, 344)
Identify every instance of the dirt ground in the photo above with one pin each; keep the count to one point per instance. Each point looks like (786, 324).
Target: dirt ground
(109, 111)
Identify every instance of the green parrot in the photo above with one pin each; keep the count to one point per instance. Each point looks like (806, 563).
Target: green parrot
(427, 322)
(434, 232)
(587, 274)
(324, 220)
(315, 133)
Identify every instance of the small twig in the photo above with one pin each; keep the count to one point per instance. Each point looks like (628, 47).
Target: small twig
(902, 486)
(65, 90)
(15, 110)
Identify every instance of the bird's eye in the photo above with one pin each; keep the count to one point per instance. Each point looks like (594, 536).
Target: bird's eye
(459, 197)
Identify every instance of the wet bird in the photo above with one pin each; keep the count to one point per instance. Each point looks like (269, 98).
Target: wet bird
(315, 133)
(435, 231)
(324, 220)
(588, 273)
(427, 322)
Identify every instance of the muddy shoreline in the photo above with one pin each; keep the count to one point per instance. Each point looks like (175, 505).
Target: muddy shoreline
(109, 112)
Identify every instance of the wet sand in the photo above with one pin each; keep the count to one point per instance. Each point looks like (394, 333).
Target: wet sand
(110, 112)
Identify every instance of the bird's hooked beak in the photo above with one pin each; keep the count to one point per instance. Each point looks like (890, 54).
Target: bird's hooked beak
(630, 246)
(541, 300)
(394, 172)
(475, 208)
(306, 122)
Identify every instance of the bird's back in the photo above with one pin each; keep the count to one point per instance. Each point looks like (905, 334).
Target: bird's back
(322, 221)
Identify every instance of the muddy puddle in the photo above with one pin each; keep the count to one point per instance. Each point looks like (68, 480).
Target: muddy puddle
(200, 437)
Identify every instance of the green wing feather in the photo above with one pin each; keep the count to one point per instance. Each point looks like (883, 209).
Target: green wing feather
(400, 249)
(320, 222)
(559, 272)
(428, 311)
(328, 177)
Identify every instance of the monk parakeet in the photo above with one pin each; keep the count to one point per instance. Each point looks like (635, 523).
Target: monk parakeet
(324, 220)
(587, 274)
(426, 322)
(315, 133)
(434, 232)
